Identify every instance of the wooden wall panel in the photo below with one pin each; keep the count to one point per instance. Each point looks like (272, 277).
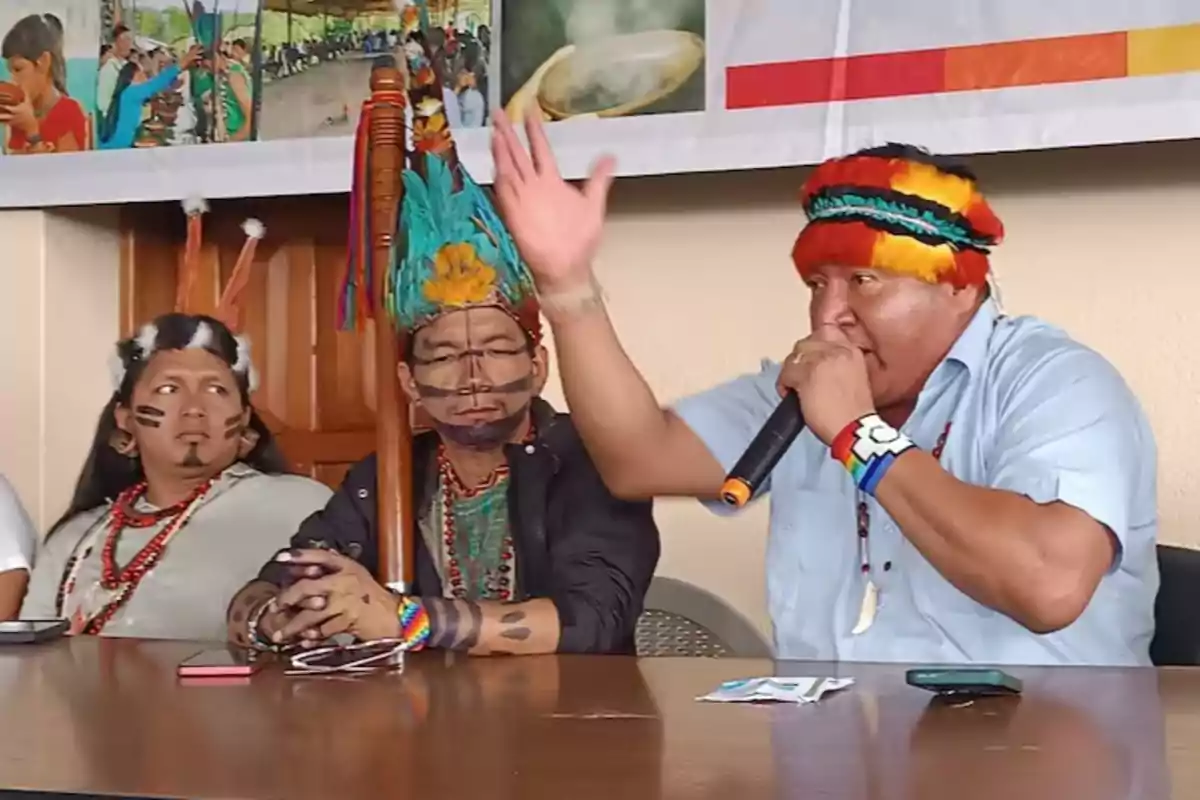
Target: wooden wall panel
(340, 385)
(149, 255)
(312, 382)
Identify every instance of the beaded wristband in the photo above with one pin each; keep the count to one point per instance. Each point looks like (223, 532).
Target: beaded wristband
(867, 448)
(254, 634)
(414, 623)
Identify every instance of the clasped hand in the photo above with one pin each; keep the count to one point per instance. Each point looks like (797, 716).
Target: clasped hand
(335, 595)
(829, 376)
(21, 117)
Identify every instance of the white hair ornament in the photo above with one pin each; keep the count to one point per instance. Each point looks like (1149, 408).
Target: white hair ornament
(143, 347)
(243, 365)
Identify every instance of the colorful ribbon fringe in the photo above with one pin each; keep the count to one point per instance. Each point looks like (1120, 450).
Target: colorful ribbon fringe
(356, 297)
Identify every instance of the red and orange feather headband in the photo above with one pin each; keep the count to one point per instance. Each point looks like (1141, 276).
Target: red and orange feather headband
(899, 215)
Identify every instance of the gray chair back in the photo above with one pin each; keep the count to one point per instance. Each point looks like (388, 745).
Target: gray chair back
(684, 620)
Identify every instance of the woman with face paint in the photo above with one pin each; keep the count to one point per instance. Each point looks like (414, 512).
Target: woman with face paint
(520, 548)
(181, 498)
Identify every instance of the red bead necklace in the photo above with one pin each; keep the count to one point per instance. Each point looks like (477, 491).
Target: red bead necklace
(452, 488)
(125, 581)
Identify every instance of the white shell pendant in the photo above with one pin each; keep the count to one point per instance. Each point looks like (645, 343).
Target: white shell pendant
(866, 614)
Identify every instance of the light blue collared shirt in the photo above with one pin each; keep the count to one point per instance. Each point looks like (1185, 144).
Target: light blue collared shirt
(1032, 412)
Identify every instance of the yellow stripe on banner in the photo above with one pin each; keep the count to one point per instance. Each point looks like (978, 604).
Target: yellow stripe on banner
(1164, 51)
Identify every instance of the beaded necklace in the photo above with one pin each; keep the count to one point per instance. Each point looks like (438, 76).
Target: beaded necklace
(119, 584)
(870, 601)
(477, 540)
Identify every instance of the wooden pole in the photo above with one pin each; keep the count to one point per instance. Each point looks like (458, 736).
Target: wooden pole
(396, 524)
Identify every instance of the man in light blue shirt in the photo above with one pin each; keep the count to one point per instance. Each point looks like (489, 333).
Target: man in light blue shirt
(969, 488)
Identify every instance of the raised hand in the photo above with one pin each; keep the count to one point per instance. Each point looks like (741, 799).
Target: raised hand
(193, 55)
(557, 226)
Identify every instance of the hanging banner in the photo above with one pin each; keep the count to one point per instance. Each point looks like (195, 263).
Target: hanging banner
(105, 101)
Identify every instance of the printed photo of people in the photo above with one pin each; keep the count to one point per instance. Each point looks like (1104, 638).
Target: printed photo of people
(577, 58)
(178, 72)
(317, 61)
(48, 69)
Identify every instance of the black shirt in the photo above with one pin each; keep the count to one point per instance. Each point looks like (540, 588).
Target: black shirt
(592, 554)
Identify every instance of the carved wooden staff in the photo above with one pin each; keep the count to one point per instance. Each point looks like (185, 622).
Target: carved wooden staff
(395, 524)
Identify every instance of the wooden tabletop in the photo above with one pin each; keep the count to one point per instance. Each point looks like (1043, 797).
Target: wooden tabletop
(110, 717)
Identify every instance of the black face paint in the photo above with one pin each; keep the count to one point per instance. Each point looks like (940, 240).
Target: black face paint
(512, 387)
(485, 435)
(192, 458)
(148, 416)
(233, 427)
(472, 356)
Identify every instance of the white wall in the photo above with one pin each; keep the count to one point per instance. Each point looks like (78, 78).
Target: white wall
(58, 321)
(697, 271)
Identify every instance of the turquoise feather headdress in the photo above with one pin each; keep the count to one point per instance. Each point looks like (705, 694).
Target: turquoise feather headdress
(452, 250)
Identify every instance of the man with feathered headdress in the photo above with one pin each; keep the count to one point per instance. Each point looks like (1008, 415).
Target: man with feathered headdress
(520, 548)
(970, 487)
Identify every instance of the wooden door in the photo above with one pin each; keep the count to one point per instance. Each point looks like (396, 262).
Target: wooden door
(314, 393)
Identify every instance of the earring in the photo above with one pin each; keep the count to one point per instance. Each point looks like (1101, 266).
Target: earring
(123, 443)
(248, 442)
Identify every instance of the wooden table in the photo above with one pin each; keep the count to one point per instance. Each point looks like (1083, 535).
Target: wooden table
(109, 717)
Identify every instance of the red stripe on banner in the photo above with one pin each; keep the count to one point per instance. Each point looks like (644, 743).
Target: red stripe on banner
(783, 84)
(895, 74)
(827, 79)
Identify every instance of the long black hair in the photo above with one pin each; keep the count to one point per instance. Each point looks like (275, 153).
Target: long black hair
(106, 473)
(108, 126)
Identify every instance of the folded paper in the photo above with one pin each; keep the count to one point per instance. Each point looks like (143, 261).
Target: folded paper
(780, 690)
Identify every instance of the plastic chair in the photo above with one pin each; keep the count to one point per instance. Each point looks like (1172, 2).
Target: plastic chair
(684, 620)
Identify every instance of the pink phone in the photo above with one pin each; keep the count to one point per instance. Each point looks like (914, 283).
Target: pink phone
(220, 664)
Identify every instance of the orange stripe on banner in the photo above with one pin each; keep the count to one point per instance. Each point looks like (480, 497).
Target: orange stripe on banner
(1064, 59)
(1164, 51)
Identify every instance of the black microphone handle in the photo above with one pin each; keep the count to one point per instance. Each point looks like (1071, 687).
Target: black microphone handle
(764, 452)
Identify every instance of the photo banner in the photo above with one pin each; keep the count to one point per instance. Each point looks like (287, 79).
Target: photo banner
(105, 101)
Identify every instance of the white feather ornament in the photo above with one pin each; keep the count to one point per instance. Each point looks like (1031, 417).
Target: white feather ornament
(147, 340)
(202, 338)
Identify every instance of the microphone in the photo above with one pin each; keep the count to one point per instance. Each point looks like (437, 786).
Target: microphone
(764, 452)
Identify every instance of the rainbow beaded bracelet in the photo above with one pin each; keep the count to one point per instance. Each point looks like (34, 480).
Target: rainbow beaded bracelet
(867, 448)
(414, 623)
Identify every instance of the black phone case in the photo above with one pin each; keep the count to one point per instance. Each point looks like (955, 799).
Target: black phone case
(964, 681)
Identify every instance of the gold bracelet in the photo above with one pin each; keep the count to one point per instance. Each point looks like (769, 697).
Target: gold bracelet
(585, 297)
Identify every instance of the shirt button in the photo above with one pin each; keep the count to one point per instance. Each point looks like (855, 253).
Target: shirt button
(363, 494)
(887, 566)
(530, 449)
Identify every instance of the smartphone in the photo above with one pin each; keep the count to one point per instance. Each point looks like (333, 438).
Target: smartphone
(32, 631)
(964, 681)
(228, 663)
